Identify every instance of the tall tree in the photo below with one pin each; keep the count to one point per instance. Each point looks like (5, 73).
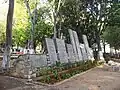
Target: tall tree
(6, 57)
(112, 32)
(32, 22)
(20, 23)
(55, 6)
(87, 17)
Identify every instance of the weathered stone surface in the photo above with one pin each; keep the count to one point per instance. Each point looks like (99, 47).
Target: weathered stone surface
(77, 43)
(86, 46)
(70, 52)
(18, 69)
(51, 50)
(73, 44)
(92, 55)
(101, 55)
(61, 50)
(26, 65)
(84, 53)
(38, 60)
(88, 50)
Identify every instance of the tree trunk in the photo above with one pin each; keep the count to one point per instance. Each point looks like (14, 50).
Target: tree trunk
(32, 23)
(6, 56)
(55, 31)
(99, 46)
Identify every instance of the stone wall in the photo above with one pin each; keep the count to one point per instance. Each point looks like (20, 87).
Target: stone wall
(56, 51)
(25, 66)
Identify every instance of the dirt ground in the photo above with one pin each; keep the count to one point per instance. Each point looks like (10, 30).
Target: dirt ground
(96, 79)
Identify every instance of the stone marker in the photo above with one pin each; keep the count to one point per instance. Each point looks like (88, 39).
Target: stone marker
(70, 52)
(88, 50)
(86, 46)
(84, 53)
(61, 50)
(101, 56)
(73, 44)
(91, 54)
(51, 50)
(77, 43)
(38, 60)
(26, 64)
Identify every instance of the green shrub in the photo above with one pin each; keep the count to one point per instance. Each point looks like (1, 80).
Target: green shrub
(70, 70)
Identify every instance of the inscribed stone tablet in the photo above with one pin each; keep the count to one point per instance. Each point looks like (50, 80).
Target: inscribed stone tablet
(84, 53)
(61, 49)
(38, 60)
(77, 45)
(73, 43)
(51, 50)
(70, 52)
(86, 46)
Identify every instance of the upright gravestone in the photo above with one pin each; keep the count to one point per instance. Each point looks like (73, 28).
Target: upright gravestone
(84, 53)
(70, 52)
(51, 50)
(73, 44)
(86, 46)
(88, 50)
(91, 53)
(61, 50)
(77, 43)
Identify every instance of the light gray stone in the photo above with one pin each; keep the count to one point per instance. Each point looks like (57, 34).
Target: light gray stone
(88, 50)
(101, 55)
(86, 46)
(70, 52)
(72, 40)
(92, 55)
(51, 50)
(26, 64)
(77, 43)
(84, 53)
(38, 60)
(61, 50)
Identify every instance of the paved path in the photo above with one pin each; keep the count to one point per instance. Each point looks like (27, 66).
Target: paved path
(96, 79)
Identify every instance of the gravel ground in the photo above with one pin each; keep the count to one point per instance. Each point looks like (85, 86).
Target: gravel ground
(97, 79)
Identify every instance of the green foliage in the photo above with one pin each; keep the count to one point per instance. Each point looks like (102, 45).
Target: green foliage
(112, 33)
(42, 30)
(112, 36)
(55, 73)
(20, 25)
(84, 17)
(2, 33)
(48, 79)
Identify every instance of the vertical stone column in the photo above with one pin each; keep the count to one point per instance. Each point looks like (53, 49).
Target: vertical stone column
(70, 52)
(73, 44)
(101, 56)
(88, 50)
(61, 50)
(28, 67)
(51, 50)
(77, 43)
(84, 53)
